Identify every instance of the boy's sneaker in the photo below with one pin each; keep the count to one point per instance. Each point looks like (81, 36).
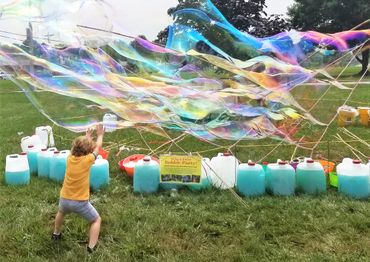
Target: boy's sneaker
(56, 237)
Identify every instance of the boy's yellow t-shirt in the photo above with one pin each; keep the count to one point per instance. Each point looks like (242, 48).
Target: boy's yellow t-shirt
(76, 185)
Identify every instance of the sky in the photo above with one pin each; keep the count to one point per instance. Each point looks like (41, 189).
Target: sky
(134, 17)
(278, 6)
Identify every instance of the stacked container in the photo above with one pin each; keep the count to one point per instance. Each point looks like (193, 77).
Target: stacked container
(46, 135)
(31, 141)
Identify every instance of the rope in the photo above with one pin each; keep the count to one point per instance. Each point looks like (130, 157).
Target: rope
(349, 96)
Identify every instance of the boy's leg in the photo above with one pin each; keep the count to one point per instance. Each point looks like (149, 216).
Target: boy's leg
(94, 232)
(59, 219)
(88, 211)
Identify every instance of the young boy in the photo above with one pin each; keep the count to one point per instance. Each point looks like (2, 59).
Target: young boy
(75, 193)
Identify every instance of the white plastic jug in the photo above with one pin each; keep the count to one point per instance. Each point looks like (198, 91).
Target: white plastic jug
(280, 179)
(46, 135)
(146, 176)
(17, 171)
(359, 169)
(110, 122)
(250, 180)
(353, 179)
(99, 173)
(225, 167)
(310, 177)
(43, 161)
(347, 161)
(31, 141)
(32, 153)
(58, 165)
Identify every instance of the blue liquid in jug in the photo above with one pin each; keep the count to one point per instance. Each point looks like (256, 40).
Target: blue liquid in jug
(58, 169)
(32, 162)
(169, 186)
(311, 181)
(43, 165)
(268, 180)
(204, 184)
(250, 182)
(282, 182)
(146, 178)
(354, 186)
(99, 176)
(17, 178)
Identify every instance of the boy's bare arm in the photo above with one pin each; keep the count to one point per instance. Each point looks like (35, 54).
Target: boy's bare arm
(99, 139)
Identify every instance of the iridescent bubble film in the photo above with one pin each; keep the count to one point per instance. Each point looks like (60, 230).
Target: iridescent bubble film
(209, 80)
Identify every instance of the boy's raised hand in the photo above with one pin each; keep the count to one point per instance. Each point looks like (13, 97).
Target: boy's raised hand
(100, 130)
(99, 139)
(89, 132)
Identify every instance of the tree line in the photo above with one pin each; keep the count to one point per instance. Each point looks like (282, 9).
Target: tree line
(325, 16)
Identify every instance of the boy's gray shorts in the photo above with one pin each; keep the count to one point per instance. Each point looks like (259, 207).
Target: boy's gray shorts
(82, 208)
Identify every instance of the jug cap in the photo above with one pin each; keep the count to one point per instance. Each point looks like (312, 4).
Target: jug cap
(251, 164)
(310, 161)
(296, 160)
(227, 154)
(356, 162)
(44, 149)
(30, 146)
(265, 163)
(56, 152)
(282, 163)
(146, 159)
(23, 153)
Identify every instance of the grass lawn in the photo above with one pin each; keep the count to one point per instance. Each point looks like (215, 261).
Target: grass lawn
(205, 226)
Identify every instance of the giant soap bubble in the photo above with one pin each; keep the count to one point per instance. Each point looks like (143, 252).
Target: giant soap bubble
(210, 80)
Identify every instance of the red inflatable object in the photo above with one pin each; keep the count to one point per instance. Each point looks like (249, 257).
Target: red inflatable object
(128, 164)
(104, 153)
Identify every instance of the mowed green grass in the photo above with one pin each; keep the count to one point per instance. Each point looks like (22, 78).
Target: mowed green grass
(205, 226)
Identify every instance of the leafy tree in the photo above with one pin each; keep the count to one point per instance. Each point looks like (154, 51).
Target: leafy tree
(247, 16)
(330, 16)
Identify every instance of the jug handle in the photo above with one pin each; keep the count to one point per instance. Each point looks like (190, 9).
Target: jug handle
(24, 138)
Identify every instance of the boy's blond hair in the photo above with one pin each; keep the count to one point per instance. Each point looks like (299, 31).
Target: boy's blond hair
(82, 146)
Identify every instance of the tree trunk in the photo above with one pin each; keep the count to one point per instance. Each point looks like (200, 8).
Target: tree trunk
(365, 62)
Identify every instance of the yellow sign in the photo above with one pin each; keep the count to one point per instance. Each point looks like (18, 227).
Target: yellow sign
(181, 169)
